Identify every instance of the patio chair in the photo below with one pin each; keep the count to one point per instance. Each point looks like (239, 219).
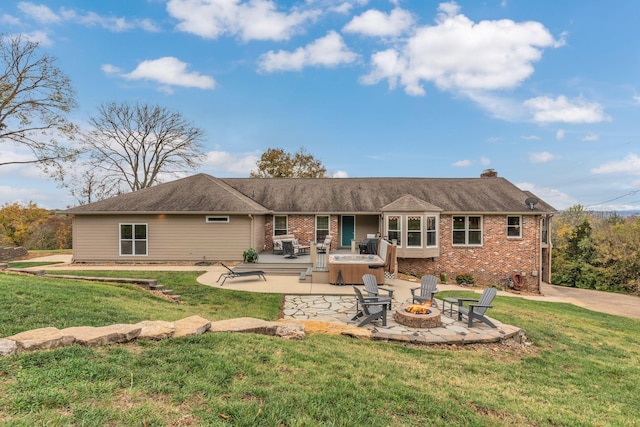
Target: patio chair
(372, 288)
(373, 308)
(232, 274)
(288, 250)
(427, 288)
(477, 308)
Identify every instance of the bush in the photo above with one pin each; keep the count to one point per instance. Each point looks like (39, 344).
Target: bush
(250, 255)
(465, 279)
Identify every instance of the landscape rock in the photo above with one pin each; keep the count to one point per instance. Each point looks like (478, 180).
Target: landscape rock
(42, 339)
(103, 335)
(155, 330)
(194, 325)
(289, 330)
(7, 347)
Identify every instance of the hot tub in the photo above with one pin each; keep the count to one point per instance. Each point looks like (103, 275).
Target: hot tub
(348, 269)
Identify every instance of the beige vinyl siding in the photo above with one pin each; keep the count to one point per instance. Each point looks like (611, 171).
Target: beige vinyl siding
(366, 224)
(170, 238)
(258, 240)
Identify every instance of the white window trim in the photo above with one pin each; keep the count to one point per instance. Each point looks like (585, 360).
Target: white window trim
(436, 220)
(421, 231)
(466, 231)
(386, 224)
(286, 231)
(323, 229)
(519, 236)
(217, 219)
(133, 239)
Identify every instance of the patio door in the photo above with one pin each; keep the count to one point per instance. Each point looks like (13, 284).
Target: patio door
(348, 230)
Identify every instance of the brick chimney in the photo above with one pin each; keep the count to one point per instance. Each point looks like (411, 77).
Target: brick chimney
(488, 173)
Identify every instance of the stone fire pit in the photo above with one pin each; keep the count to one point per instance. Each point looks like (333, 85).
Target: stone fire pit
(431, 319)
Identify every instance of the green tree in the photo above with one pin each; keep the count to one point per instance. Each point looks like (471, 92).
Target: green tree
(35, 99)
(277, 163)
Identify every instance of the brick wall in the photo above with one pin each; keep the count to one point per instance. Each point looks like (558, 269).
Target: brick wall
(301, 226)
(490, 264)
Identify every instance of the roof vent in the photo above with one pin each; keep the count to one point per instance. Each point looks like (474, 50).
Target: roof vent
(489, 173)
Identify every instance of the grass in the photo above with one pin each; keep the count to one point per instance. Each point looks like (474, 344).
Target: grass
(581, 370)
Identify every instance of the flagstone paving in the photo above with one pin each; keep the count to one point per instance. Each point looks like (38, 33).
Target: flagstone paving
(340, 309)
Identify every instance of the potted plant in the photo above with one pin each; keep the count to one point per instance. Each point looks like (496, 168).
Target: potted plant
(250, 255)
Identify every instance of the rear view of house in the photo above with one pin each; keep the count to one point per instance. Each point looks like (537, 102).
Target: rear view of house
(486, 226)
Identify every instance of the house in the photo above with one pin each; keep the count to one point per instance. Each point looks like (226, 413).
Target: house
(479, 226)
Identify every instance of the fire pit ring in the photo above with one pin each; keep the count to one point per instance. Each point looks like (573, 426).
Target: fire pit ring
(431, 319)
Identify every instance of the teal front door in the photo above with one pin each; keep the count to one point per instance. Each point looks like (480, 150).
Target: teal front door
(348, 231)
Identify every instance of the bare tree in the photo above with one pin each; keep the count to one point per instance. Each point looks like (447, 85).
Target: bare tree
(132, 146)
(277, 163)
(35, 98)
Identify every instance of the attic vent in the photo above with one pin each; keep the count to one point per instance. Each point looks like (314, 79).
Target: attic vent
(489, 173)
(217, 219)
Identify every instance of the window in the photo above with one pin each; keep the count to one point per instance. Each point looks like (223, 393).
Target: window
(513, 226)
(217, 219)
(430, 228)
(322, 227)
(133, 239)
(467, 230)
(394, 228)
(414, 231)
(280, 225)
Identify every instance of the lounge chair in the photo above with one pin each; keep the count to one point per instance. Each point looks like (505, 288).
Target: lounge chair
(427, 288)
(476, 311)
(373, 308)
(372, 288)
(232, 274)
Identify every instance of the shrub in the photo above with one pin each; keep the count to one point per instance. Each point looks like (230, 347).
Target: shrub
(250, 255)
(465, 279)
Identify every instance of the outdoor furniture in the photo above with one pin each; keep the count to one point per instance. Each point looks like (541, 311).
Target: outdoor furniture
(232, 274)
(373, 308)
(427, 288)
(277, 242)
(372, 288)
(476, 311)
(452, 302)
(325, 245)
(288, 250)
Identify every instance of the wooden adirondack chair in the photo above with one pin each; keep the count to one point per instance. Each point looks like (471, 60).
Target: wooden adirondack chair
(372, 288)
(427, 288)
(476, 308)
(372, 308)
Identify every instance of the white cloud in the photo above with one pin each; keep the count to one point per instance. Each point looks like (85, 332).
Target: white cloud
(235, 163)
(39, 37)
(590, 136)
(328, 51)
(555, 198)
(339, 174)
(251, 20)
(44, 15)
(542, 157)
(560, 134)
(485, 161)
(460, 55)
(462, 163)
(531, 138)
(39, 13)
(169, 71)
(563, 110)
(110, 69)
(7, 19)
(379, 24)
(630, 165)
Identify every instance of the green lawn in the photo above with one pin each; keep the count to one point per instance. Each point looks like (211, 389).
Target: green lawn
(581, 370)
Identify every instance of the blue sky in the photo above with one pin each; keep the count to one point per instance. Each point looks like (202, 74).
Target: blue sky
(547, 93)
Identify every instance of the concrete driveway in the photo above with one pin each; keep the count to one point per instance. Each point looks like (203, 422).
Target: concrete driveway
(604, 302)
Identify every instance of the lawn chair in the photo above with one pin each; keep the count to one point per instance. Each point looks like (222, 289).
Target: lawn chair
(476, 311)
(373, 308)
(232, 274)
(372, 288)
(427, 288)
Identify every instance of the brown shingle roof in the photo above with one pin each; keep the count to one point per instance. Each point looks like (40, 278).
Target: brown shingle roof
(204, 193)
